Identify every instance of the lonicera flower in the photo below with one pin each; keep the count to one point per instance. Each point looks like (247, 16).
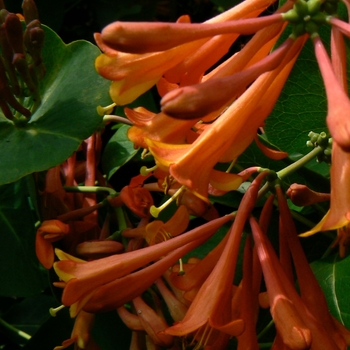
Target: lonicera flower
(212, 306)
(158, 231)
(81, 333)
(82, 278)
(311, 292)
(158, 127)
(136, 198)
(48, 232)
(133, 74)
(301, 195)
(338, 215)
(228, 136)
(337, 98)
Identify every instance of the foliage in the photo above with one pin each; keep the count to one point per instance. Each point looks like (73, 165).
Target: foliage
(66, 125)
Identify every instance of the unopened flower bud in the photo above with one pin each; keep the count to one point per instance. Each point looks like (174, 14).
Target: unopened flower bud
(14, 33)
(30, 11)
(302, 195)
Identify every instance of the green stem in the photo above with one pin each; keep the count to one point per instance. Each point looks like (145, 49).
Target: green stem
(90, 189)
(121, 218)
(11, 330)
(266, 329)
(300, 163)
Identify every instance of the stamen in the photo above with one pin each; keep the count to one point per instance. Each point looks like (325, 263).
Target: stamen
(145, 153)
(105, 110)
(167, 183)
(204, 338)
(155, 211)
(145, 171)
(181, 271)
(231, 166)
(53, 311)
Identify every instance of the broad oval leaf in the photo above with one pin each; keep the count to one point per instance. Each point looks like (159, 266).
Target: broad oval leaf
(333, 275)
(119, 150)
(70, 92)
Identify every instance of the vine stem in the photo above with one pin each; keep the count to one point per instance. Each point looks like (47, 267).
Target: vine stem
(90, 189)
(13, 330)
(300, 162)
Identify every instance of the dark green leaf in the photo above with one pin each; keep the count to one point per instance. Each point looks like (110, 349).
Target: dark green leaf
(118, 151)
(70, 91)
(333, 274)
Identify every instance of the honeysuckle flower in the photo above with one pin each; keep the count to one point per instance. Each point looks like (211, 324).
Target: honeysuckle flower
(338, 215)
(342, 240)
(288, 321)
(311, 292)
(107, 298)
(196, 272)
(136, 198)
(337, 98)
(153, 323)
(212, 304)
(158, 231)
(176, 308)
(269, 152)
(198, 100)
(301, 195)
(133, 38)
(48, 232)
(158, 127)
(98, 248)
(82, 278)
(249, 307)
(296, 322)
(81, 333)
(228, 136)
(133, 74)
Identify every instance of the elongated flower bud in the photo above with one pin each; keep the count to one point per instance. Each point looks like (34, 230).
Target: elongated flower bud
(143, 37)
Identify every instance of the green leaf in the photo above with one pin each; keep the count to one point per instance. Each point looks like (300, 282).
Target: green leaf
(20, 271)
(333, 275)
(70, 92)
(118, 151)
(301, 107)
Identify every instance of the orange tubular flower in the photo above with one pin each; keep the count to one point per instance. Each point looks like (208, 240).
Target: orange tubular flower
(158, 231)
(337, 98)
(338, 215)
(227, 137)
(49, 231)
(311, 292)
(212, 305)
(82, 278)
(133, 74)
(81, 333)
(158, 127)
(296, 320)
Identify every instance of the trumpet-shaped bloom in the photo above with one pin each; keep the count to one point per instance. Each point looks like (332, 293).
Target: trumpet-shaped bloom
(212, 304)
(158, 127)
(81, 333)
(158, 231)
(311, 292)
(82, 278)
(228, 136)
(133, 74)
(337, 99)
(339, 212)
(116, 293)
(49, 231)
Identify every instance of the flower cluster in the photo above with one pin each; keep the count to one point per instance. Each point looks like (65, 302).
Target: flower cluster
(211, 110)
